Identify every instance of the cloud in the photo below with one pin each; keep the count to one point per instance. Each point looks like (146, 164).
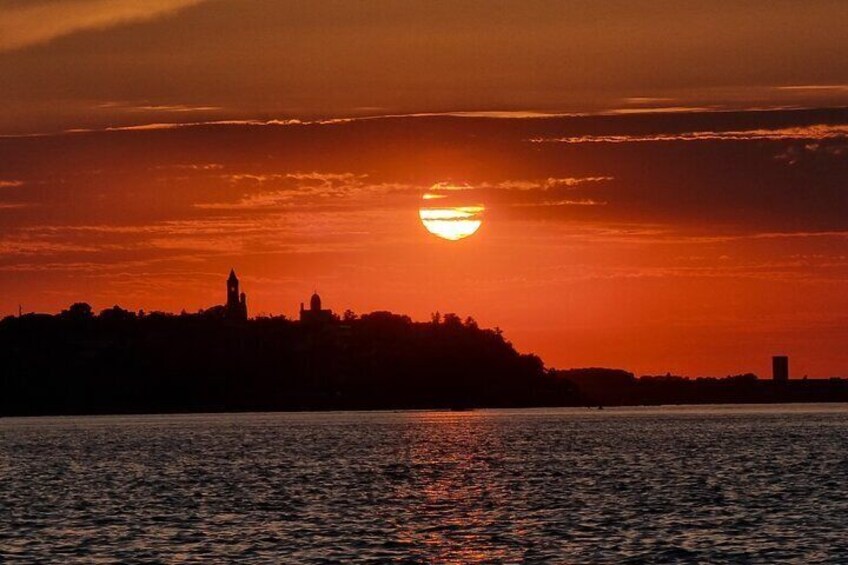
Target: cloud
(273, 199)
(527, 193)
(815, 88)
(191, 167)
(566, 202)
(178, 125)
(797, 153)
(647, 100)
(31, 246)
(297, 191)
(530, 121)
(549, 183)
(166, 108)
(323, 178)
(817, 132)
(10, 183)
(252, 173)
(664, 110)
(32, 23)
(494, 114)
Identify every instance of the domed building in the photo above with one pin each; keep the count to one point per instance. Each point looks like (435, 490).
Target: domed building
(315, 314)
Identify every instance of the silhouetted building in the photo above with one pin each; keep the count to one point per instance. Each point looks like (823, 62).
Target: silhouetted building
(236, 307)
(315, 314)
(780, 368)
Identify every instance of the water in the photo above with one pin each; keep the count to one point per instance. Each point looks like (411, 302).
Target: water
(691, 484)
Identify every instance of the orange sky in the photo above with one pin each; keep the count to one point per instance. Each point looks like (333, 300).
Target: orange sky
(692, 218)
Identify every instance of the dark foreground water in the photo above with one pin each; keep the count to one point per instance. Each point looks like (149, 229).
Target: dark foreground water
(690, 484)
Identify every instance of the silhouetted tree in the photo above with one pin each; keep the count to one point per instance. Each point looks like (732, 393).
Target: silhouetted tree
(116, 313)
(78, 311)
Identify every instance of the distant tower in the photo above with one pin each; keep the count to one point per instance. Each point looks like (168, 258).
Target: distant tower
(236, 307)
(232, 289)
(780, 368)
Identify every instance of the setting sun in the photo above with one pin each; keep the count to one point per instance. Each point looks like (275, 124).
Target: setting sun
(452, 223)
(453, 219)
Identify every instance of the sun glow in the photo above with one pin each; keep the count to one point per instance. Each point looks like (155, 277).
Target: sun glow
(450, 222)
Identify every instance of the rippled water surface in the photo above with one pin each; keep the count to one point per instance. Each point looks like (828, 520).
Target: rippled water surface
(686, 484)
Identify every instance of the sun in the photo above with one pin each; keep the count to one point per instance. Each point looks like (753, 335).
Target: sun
(453, 223)
(452, 219)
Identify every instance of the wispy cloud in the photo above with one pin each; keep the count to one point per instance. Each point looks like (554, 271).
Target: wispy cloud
(147, 107)
(177, 125)
(293, 190)
(549, 183)
(524, 193)
(816, 87)
(817, 132)
(320, 177)
(796, 153)
(191, 167)
(665, 110)
(565, 202)
(31, 23)
(647, 100)
(11, 183)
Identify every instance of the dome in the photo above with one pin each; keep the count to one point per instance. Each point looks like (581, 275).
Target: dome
(315, 302)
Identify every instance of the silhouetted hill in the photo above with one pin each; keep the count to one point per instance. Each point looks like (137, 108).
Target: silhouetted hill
(120, 361)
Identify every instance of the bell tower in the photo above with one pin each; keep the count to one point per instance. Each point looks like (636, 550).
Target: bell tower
(232, 290)
(236, 307)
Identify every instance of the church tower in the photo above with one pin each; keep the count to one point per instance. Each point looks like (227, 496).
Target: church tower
(236, 308)
(232, 289)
